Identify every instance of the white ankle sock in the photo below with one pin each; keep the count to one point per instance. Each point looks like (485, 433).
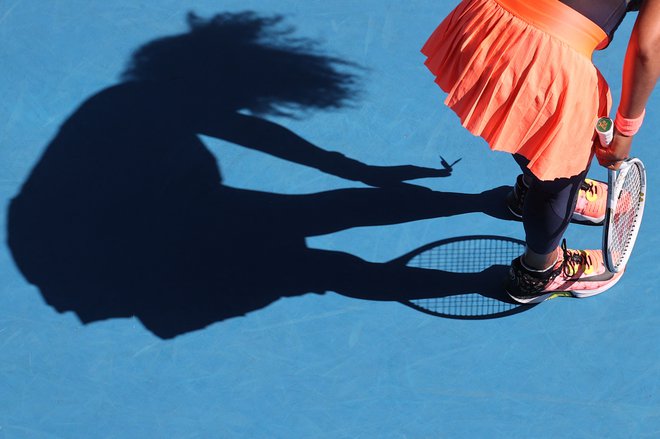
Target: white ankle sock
(533, 270)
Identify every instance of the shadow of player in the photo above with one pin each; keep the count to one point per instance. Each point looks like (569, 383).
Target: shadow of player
(125, 214)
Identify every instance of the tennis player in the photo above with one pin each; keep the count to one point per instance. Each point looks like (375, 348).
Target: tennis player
(519, 74)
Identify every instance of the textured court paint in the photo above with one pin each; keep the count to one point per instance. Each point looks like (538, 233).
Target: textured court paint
(316, 366)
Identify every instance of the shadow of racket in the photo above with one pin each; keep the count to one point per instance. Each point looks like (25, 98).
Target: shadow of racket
(469, 254)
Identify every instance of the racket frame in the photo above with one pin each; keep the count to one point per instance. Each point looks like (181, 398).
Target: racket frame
(615, 180)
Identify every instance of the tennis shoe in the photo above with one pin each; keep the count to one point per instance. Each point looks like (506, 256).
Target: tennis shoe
(590, 207)
(582, 273)
(592, 202)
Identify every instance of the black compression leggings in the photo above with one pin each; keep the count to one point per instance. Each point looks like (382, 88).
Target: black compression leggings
(548, 208)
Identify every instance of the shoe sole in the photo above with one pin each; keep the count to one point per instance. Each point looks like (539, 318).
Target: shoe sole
(588, 293)
(588, 219)
(537, 299)
(577, 294)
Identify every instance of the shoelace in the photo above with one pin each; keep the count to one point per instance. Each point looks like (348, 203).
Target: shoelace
(574, 260)
(590, 189)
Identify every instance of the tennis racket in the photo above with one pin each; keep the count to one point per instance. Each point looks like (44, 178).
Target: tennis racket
(626, 197)
(469, 254)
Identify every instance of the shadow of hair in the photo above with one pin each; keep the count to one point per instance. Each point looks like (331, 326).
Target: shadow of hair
(247, 61)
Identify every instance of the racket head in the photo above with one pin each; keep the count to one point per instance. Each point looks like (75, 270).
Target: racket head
(625, 209)
(469, 254)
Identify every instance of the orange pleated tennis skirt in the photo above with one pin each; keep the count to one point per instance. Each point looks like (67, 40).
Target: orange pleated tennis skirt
(519, 74)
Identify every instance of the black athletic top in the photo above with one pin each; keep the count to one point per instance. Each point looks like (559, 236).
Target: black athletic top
(607, 14)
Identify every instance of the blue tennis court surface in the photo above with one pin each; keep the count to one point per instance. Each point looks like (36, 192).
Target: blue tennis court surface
(179, 263)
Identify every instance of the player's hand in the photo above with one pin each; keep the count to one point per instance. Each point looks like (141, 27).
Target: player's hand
(613, 155)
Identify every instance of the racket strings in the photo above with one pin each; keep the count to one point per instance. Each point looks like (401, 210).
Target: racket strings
(625, 217)
(466, 256)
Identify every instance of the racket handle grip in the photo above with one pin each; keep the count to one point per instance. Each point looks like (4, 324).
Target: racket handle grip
(605, 130)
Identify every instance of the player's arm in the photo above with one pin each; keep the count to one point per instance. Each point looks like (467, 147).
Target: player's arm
(641, 71)
(269, 137)
(274, 139)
